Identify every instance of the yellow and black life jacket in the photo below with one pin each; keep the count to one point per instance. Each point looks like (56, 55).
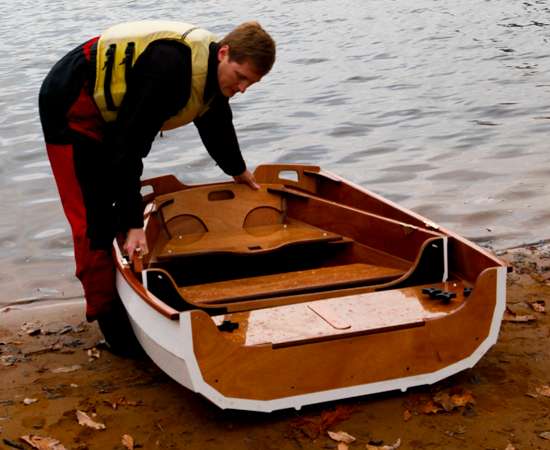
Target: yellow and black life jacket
(120, 46)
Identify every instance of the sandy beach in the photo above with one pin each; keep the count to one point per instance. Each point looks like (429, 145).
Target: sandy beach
(55, 371)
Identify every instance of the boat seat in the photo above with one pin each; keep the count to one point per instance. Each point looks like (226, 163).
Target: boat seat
(246, 240)
(334, 318)
(230, 219)
(223, 292)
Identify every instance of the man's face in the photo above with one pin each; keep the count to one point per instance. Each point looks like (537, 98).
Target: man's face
(232, 76)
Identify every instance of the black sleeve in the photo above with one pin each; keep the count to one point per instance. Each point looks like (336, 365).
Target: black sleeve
(218, 135)
(159, 86)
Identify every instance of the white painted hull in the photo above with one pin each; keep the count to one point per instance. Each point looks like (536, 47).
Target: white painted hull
(169, 343)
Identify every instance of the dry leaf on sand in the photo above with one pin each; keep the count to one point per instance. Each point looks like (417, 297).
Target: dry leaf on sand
(121, 401)
(430, 407)
(128, 441)
(85, 420)
(384, 447)
(462, 398)
(341, 436)
(94, 353)
(67, 369)
(510, 316)
(543, 390)
(42, 443)
(538, 306)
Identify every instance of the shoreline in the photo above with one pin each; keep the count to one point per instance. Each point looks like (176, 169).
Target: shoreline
(56, 362)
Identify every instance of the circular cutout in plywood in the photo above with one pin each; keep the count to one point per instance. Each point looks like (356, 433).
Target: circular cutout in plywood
(260, 220)
(187, 227)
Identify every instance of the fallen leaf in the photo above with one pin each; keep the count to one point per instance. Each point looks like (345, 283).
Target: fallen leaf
(538, 306)
(42, 443)
(341, 436)
(444, 400)
(543, 390)
(85, 420)
(460, 430)
(510, 447)
(128, 441)
(330, 418)
(29, 401)
(512, 317)
(545, 435)
(385, 447)
(121, 402)
(462, 399)
(32, 329)
(407, 415)
(94, 353)
(314, 427)
(67, 369)
(430, 408)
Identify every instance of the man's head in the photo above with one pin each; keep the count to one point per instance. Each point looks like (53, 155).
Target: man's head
(245, 55)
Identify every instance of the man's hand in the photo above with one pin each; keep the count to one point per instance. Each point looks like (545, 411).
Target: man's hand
(247, 178)
(135, 241)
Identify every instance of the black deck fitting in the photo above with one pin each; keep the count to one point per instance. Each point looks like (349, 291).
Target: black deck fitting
(432, 292)
(228, 326)
(445, 296)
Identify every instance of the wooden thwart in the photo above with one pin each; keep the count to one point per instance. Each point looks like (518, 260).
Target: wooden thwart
(246, 240)
(287, 283)
(343, 317)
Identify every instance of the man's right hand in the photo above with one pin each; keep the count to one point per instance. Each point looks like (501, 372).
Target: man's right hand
(135, 241)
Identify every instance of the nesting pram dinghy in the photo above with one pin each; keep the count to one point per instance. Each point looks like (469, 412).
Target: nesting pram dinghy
(308, 290)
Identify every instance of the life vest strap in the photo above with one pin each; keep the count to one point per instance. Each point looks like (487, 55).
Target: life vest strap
(184, 35)
(109, 63)
(128, 60)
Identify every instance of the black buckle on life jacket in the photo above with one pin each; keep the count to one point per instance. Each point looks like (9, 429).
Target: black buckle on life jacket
(128, 60)
(108, 67)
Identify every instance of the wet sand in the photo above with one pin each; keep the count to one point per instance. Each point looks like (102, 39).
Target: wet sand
(52, 358)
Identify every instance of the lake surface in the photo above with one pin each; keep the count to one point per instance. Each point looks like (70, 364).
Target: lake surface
(442, 106)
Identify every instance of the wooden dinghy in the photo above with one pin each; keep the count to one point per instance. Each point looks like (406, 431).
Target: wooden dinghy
(308, 290)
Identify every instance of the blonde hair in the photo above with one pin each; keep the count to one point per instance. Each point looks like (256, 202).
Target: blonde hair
(249, 41)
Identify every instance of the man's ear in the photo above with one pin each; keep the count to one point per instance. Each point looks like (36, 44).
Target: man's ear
(223, 51)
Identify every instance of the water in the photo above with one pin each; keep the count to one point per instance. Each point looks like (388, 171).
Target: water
(441, 106)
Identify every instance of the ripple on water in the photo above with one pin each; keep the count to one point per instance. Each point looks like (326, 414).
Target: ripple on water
(308, 61)
(31, 176)
(393, 178)
(327, 99)
(361, 79)
(463, 175)
(516, 194)
(349, 129)
(303, 114)
(306, 154)
(49, 233)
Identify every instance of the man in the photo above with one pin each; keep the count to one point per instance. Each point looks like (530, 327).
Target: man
(102, 105)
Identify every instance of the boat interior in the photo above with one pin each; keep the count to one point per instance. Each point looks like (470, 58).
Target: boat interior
(227, 248)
